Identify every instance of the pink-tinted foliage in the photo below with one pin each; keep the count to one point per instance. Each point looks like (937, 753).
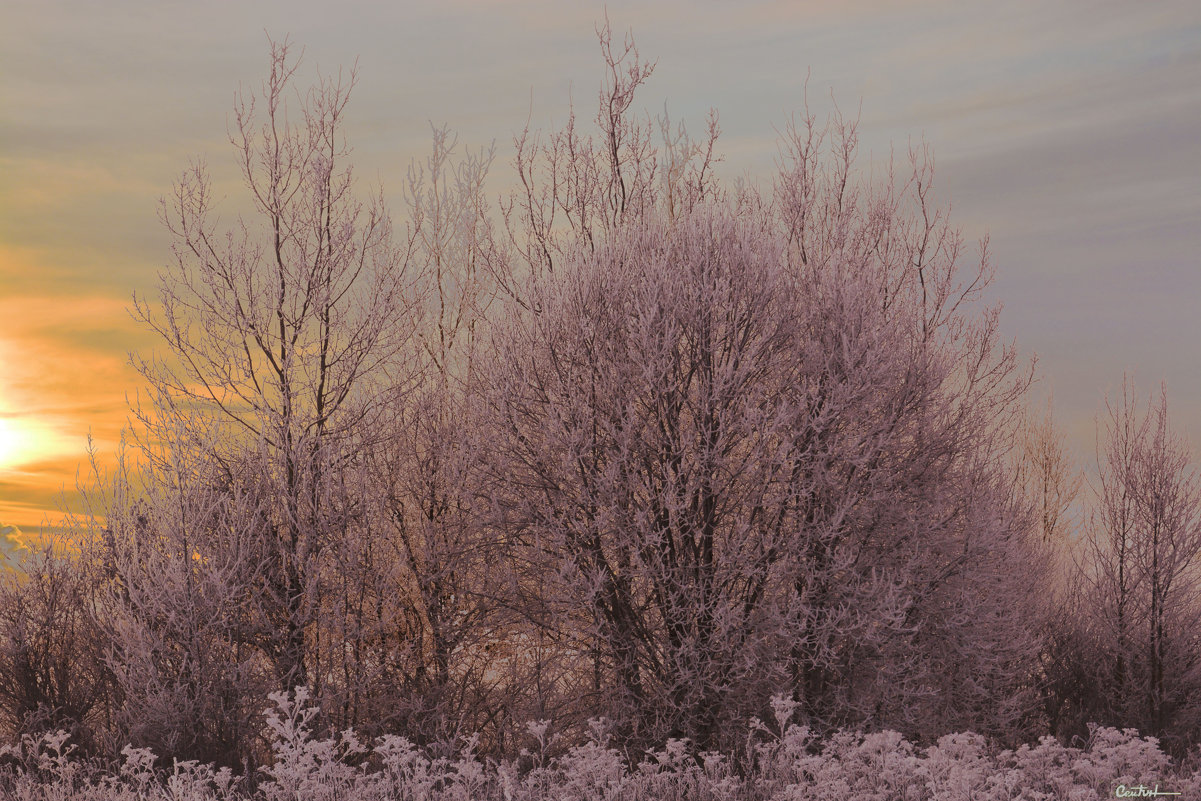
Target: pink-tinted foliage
(788, 767)
(755, 441)
(631, 445)
(722, 460)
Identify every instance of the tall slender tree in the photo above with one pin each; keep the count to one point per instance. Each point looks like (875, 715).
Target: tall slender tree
(1142, 565)
(293, 326)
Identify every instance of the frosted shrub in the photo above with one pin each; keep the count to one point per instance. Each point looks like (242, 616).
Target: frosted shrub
(956, 768)
(721, 782)
(593, 771)
(51, 753)
(138, 769)
(783, 757)
(670, 773)
(879, 766)
(195, 780)
(1113, 758)
(1120, 757)
(788, 764)
(467, 778)
(304, 767)
(405, 771)
(1034, 772)
(1051, 771)
(784, 760)
(45, 768)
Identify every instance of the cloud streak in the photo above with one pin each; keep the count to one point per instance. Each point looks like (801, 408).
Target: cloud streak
(1072, 132)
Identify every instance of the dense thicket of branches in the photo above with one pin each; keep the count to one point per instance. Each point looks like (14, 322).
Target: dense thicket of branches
(733, 474)
(631, 445)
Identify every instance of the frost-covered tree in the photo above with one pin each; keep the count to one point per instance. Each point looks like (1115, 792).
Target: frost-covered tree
(754, 439)
(1048, 483)
(293, 326)
(432, 568)
(333, 365)
(1142, 571)
(646, 495)
(931, 534)
(735, 453)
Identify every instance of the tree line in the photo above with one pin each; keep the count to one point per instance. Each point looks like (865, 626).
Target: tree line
(629, 446)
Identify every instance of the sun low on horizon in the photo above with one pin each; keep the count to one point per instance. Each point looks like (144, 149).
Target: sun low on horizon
(26, 440)
(35, 463)
(55, 398)
(16, 444)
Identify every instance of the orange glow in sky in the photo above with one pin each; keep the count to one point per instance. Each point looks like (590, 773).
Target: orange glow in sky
(1070, 132)
(62, 378)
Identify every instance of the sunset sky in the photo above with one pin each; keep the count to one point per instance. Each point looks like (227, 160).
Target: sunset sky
(1071, 132)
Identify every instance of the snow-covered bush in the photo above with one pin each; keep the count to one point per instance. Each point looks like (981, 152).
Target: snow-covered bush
(784, 762)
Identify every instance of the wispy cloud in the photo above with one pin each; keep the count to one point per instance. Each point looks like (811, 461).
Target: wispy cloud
(1071, 131)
